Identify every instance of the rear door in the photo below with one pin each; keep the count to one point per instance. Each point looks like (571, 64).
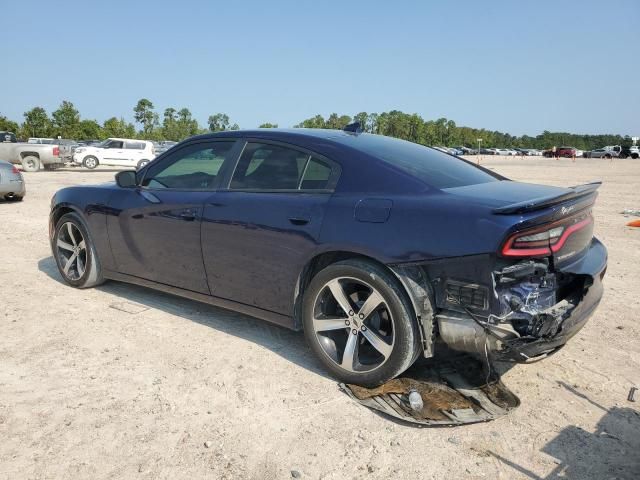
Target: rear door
(155, 229)
(258, 234)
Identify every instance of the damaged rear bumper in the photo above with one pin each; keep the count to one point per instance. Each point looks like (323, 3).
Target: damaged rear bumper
(535, 323)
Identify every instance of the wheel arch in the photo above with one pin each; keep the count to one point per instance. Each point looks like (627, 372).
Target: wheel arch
(27, 153)
(412, 279)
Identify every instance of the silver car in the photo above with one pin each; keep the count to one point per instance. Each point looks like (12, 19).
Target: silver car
(12, 185)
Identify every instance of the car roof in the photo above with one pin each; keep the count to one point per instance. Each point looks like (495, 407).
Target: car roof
(128, 139)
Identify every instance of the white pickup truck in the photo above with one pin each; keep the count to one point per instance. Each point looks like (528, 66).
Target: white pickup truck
(31, 156)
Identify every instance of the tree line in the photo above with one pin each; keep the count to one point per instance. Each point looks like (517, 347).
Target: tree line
(177, 125)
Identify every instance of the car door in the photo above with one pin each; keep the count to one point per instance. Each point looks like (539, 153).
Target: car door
(132, 153)
(114, 153)
(259, 232)
(155, 230)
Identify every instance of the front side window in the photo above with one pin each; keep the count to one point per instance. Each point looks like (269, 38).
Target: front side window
(194, 167)
(114, 144)
(274, 167)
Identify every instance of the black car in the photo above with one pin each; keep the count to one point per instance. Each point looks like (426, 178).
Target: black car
(376, 247)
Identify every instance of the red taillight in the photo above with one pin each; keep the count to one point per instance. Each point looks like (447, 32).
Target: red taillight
(15, 170)
(56, 151)
(543, 241)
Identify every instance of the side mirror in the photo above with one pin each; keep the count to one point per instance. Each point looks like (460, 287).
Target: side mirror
(126, 179)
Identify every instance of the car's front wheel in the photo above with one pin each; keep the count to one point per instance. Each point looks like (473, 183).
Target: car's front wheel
(359, 322)
(75, 253)
(90, 162)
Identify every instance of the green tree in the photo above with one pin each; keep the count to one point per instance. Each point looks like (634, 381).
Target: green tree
(7, 125)
(119, 128)
(219, 122)
(66, 120)
(36, 123)
(314, 122)
(144, 115)
(169, 126)
(88, 130)
(268, 125)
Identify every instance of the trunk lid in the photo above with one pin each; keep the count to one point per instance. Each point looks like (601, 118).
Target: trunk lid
(548, 221)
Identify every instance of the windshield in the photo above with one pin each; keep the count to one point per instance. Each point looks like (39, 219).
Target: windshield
(433, 167)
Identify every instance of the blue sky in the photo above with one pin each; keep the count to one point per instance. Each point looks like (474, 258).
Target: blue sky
(519, 67)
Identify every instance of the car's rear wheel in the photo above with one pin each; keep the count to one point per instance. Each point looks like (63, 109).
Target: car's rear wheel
(30, 163)
(75, 253)
(13, 198)
(359, 322)
(90, 162)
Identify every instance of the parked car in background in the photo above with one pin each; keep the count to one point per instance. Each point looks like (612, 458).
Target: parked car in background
(487, 151)
(12, 185)
(161, 147)
(623, 152)
(601, 153)
(375, 247)
(67, 149)
(468, 151)
(502, 151)
(566, 152)
(117, 152)
(32, 156)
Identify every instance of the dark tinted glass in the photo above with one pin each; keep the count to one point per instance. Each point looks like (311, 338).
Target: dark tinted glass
(433, 167)
(316, 175)
(269, 167)
(191, 168)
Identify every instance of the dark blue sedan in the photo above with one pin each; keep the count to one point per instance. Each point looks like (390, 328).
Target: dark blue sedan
(378, 248)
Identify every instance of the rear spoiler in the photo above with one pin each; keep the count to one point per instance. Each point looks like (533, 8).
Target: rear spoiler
(573, 193)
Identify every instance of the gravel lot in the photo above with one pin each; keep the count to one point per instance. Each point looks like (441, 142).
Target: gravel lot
(123, 382)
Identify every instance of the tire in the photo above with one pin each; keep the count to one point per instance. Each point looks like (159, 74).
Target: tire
(90, 162)
(30, 163)
(607, 157)
(13, 198)
(142, 163)
(392, 323)
(79, 267)
(634, 156)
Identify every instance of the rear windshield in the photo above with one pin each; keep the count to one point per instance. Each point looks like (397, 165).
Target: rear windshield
(433, 167)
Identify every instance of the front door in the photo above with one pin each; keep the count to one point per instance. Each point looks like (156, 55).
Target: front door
(258, 234)
(114, 153)
(156, 232)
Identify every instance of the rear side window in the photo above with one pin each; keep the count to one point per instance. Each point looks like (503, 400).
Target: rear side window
(433, 167)
(274, 167)
(135, 145)
(316, 175)
(268, 167)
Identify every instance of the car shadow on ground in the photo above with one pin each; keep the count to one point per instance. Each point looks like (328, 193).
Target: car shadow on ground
(612, 450)
(132, 298)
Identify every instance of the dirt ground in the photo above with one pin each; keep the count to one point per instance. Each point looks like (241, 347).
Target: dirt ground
(123, 382)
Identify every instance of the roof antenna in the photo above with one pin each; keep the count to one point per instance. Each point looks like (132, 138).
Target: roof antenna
(354, 127)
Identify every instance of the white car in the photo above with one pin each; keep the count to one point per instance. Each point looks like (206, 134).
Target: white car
(502, 151)
(117, 152)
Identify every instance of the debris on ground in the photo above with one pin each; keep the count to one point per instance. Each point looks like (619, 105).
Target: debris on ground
(630, 211)
(634, 223)
(632, 394)
(452, 391)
